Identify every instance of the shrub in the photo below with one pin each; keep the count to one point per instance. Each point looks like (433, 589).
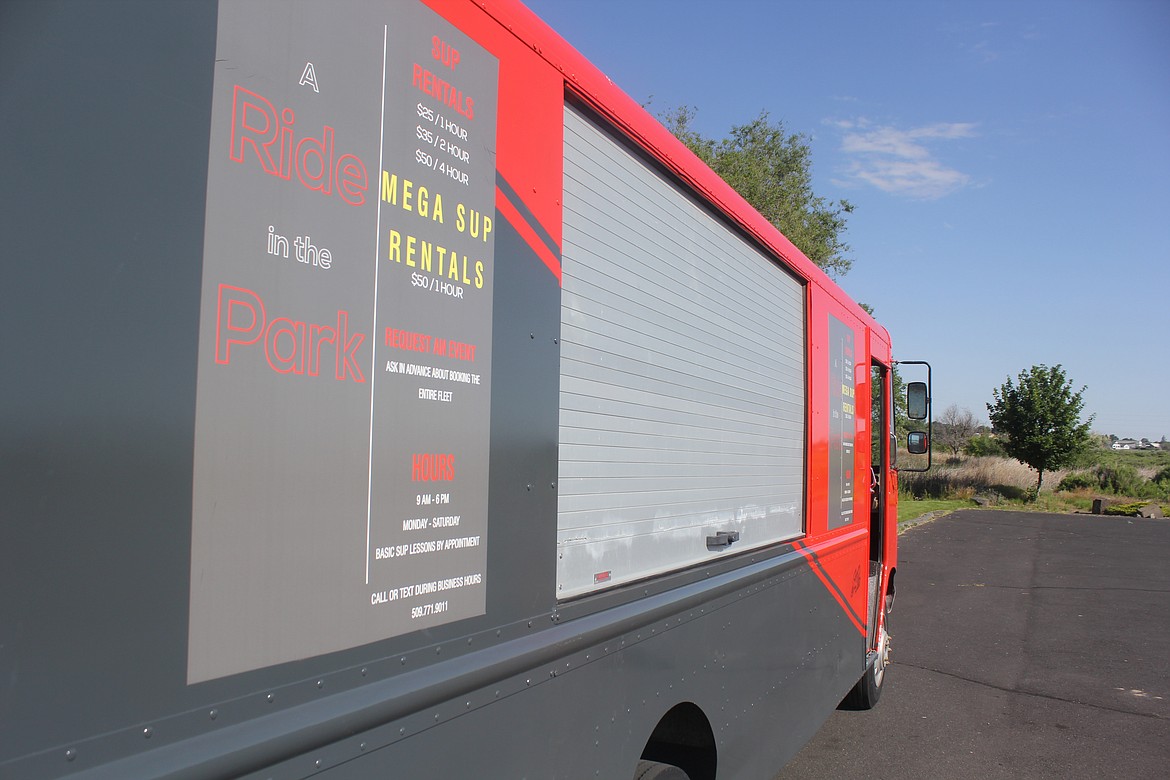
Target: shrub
(1077, 481)
(982, 445)
(1121, 479)
(1126, 510)
(1162, 478)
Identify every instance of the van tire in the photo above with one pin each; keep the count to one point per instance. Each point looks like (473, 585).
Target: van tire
(867, 690)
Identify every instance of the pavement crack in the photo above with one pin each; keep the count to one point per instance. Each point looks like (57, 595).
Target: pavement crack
(1035, 694)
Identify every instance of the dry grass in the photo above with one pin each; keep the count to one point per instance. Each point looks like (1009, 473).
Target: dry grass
(999, 481)
(968, 477)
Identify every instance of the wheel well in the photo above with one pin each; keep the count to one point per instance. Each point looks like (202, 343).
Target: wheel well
(684, 738)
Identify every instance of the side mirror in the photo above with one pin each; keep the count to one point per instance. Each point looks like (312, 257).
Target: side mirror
(917, 401)
(918, 408)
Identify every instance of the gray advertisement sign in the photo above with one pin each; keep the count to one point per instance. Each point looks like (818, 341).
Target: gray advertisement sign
(341, 443)
(842, 408)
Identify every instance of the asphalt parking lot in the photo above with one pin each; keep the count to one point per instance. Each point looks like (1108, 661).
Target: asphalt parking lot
(1024, 645)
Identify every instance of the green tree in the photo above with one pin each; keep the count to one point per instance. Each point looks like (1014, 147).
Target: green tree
(772, 170)
(982, 445)
(1040, 416)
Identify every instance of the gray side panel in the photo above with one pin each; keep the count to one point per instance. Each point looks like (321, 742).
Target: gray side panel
(682, 376)
(766, 662)
(104, 111)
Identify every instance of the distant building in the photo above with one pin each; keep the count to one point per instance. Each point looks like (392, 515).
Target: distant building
(1134, 444)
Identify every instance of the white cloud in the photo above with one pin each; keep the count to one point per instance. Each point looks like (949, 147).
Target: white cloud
(902, 162)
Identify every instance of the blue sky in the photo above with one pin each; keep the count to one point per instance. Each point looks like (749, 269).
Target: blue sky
(1009, 163)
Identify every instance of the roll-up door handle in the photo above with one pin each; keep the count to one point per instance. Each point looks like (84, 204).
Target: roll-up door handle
(722, 539)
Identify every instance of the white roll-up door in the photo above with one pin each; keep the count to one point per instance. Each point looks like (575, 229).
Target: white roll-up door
(682, 408)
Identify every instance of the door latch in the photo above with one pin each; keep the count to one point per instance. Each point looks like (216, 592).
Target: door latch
(722, 539)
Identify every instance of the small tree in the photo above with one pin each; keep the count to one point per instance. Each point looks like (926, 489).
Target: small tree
(954, 428)
(1040, 416)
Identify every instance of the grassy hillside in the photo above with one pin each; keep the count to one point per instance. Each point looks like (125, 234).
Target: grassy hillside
(1116, 476)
